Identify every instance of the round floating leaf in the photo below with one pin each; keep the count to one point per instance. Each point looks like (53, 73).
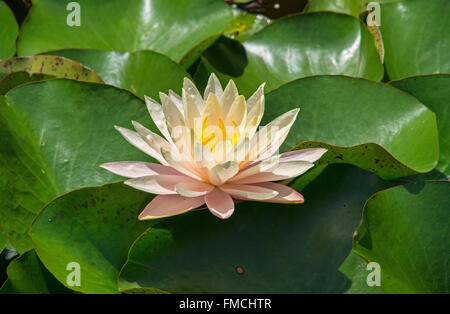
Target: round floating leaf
(26, 274)
(169, 27)
(351, 7)
(3, 241)
(8, 32)
(262, 248)
(433, 91)
(143, 72)
(295, 47)
(93, 227)
(53, 136)
(415, 36)
(13, 71)
(371, 125)
(245, 24)
(405, 230)
(355, 269)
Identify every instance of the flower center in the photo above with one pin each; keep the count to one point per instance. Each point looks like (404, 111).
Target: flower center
(211, 135)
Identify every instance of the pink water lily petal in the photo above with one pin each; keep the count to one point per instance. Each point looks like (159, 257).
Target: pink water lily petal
(222, 172)
(169, 205)
(135, 169)
(157, 184)
(253, 192)
(192, 189)
(220, 203)
(308, 154)
(285, 193)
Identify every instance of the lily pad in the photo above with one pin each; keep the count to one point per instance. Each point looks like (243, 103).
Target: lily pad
(93, 227)
(322, 43)
(142, 72)
(405, 230)
(8, 32)
(54, 134)
(13, 71)
(351, 7)
(371, 125)
(415, 36)
(123, 25)
(26, 274)
(262, 248)
(355, 269)
(433, 91)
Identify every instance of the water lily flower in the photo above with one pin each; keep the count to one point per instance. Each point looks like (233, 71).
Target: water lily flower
(212, 152)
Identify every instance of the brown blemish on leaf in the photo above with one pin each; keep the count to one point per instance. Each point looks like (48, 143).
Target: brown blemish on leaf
(240, 270)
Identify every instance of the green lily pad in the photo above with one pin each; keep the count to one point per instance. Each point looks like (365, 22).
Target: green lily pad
(3, 241)
(355, 269)
(142, 72)
(54, 134)
(405, 230)
(262, 248)
(93, 227)
(433, 91)
(8, 32)
(322, 43)
(123, 25)
(371, 125)
(26, 274)
(415, 36)
(351, 7)
(245, 24)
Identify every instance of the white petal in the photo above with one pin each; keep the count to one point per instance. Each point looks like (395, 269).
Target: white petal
(269, 139)
(157, 184)
(254, 116)
(222, 172)
(229, 95)
(157, 115)
(193, 189)
(262, 166)
(134, 169)
(213, 86)
(182, 166)
(134, 139)
(284, 170)
(237, 114)
(255, 98)
(155, 141)
(191, 90)
(172, 115)
(308, 154)
(176, 99)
